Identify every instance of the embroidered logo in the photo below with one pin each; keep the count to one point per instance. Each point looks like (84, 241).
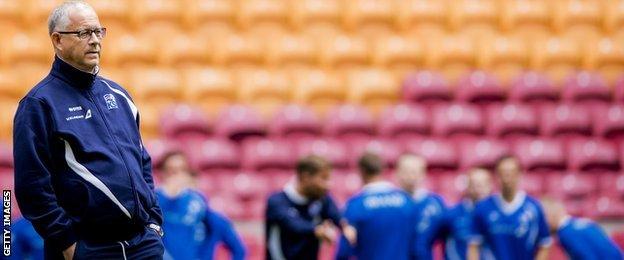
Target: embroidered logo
(111, 103)
(88, 115)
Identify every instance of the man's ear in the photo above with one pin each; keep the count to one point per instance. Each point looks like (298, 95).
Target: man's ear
(56, 41)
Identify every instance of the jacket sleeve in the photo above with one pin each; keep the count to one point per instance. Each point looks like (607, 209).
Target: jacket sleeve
(228, 235)
(33, 188)
(280, 213)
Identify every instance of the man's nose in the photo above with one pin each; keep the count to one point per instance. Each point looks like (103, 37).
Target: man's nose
(93, 39)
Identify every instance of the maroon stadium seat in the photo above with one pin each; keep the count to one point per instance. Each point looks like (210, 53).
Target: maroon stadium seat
(6, 157)
(483, 152)
(511, 121)
(612, 185)
(245, 185)
(450, 186)
(479, 87)
(571, 185)
(158, 148)
(185, 124)
(440, 154)
(595, 155)
(565, 120)
(609, 122)
(541, 155)
(331, 149)
(533, 183)
(345, 185)
(586, 87)
(426, 87)
(618, 90)
(457, 120)
(208, 184)
(227, 204)
(388, 149)
(404, 121)
(295, 122)
(238, 122)
(607, 208)
(534, 88)
(215, 156)
(267, 155)
(618, 237)
(350, 122)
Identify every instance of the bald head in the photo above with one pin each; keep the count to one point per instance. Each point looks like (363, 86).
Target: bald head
(479, 184)
(411, 172)
(60, 17)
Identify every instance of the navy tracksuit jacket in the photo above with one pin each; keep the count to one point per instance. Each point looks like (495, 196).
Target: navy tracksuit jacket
(81, 172)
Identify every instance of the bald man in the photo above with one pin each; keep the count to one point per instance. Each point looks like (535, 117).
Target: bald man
(581, 238)
(411, 176)
(458, 220)
(82, 176)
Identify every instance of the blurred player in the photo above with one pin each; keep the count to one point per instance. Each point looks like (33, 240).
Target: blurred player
(511, 223)
(411, 175)
(581, 238)
(26, 243)
(382, 215)
(301, 215)
(458, 220)
(192, 229)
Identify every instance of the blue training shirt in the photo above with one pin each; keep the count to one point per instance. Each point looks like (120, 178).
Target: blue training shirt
(290, 223)
(584, 239)
(513, 230)
(382, 215)
(25, 242)
(429, 222)
(458, 232)
(221, 231)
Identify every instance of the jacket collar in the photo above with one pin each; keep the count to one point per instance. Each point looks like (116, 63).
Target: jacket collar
(71, 75)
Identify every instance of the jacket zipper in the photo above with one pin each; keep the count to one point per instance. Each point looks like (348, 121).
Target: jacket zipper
(134, 192)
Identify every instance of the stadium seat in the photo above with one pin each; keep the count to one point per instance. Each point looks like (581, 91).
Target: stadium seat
(483, 152)
(6, 157)
(262, 12)
(265, 91)
(344, 51)
(115, 10)
(373, 88)
(244, 185)
(311, 12)
(350, 123)
(333, 150)
(203, 13)
(587, 88)
(605, 208)
(533, 184)
(156, 85)
(556, 56)
(404, 122)
(511, 121)
(233, 49)
(10, 89)
(214, 156)
(209, 88)
(528, 19)
(450, 186)
(30, 46)
(291, 50)
(158, 148)
(578, 17)
(479, 87)
(346, 185)
(7, 113)
(454, 55)
(11, 10)
(295, 122)
(618, 238)
(592, 155)
(541, 155)
(362, 13)
(423, 17)
(611, 185)
(457, 120)
(565, 120)
(36, 11)
(159, 11)
(388, 149)
(130, 48)
(534, 88)
(618, 90)
(580, 207)
(184, 48)
(478, 17)
(503, 55)
(608, 122)
(440, 154)
(265, 155)
(427, 88)
(227, 204)
(606, 55)
(398, 53)
(185, 124)
(238, 122)
(571, 185)
(319, 89)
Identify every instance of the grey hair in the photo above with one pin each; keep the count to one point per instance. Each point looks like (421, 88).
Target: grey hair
(59, 17)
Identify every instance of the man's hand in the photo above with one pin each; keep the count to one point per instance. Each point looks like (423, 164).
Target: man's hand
(68, 253)
(349, 232)
(325, 232)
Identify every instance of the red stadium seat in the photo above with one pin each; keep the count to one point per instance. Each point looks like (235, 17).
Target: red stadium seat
(612, 185)
(346, 184)
(238, 122)
(6, 156)
(592, 155)
(387, 149)
(565, 120)
(609, 122)
(208, 184)
(584, 87)
(580, 207)
(245, 185)
(295, 122)
(426, 87)
(457, 120)
(533, 184)
(267, 155)
(541, 154)
(185, 123)
(228, 204)
(571, 185)
(158, 148)
(619, 90)
(440, 154)
(450, 186)
(404, 121)
(215, 156)
(534, 88)
(511, 121)
(607, 208)
(618, 238)
(484, 152)
(479, 87)
(333, 150)
(349, 122)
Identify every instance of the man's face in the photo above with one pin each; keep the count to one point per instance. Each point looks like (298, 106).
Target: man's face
(411, 173)
(315, 186)
(176, 167)
(509, 173)
(83, 54)
(479, 184)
